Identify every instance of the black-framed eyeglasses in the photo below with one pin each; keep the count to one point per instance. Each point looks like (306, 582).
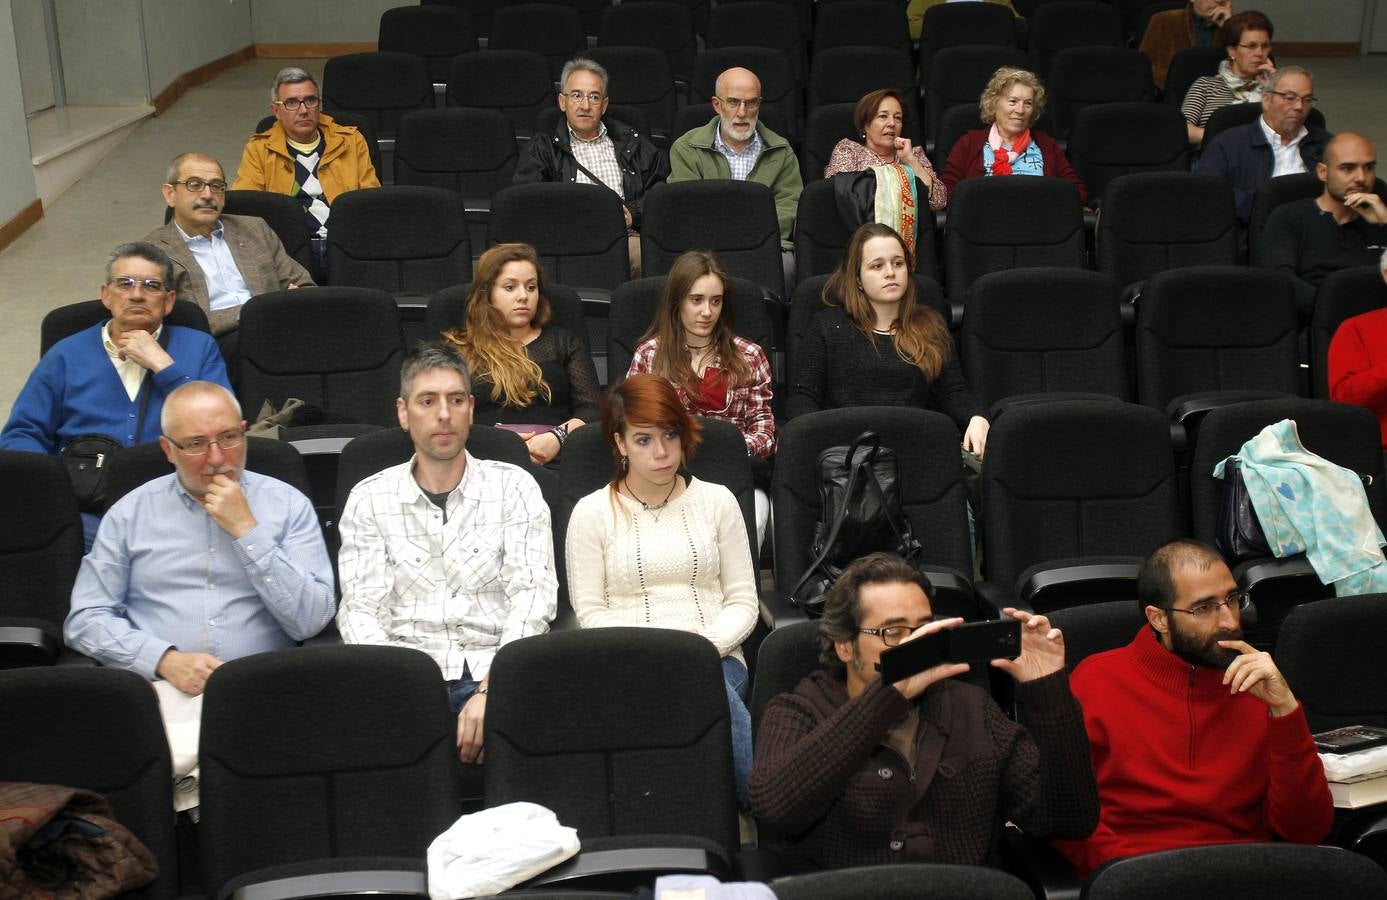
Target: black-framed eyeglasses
(126, 284)
(892, 635)
(197, 185)
(1240, 599)
(1293, 98)
(1258, 46)
(293, 103)
(201, 446)
(751, 105)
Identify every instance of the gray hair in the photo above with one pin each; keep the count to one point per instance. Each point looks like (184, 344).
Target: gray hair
(289, 75)
(141, 250)
(426, 356)
(583, 64)
(171, 173)
(1274, 82)
(191, 390)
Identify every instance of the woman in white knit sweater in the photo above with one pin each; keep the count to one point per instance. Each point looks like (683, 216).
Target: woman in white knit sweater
(662, 550)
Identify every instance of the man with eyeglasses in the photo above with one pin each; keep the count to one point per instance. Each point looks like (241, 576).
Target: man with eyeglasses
(589, 147)
(1195, 735)
(1344, 227)
(204, 565)
(111, 378)
(1279, 142)
(736, 144)
(305, 154)
(219, 261)
(861, 772)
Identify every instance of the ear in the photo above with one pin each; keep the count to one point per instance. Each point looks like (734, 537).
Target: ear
(844, 650)
(620, 443)
(1322, 171)
(168, 194)
(169, 448)
(106, 295)
(1157, 618)
(400, 413)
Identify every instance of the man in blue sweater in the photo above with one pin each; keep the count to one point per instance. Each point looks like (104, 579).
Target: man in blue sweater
(93, 381)
(90, 382)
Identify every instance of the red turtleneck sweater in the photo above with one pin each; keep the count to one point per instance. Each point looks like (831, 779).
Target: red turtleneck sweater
(1181, 763)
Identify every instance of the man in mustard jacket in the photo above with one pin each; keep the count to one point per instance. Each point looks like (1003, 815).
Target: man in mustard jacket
(305, 154)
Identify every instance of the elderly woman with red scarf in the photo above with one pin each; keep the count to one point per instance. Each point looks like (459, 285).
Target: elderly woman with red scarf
(1011, 103)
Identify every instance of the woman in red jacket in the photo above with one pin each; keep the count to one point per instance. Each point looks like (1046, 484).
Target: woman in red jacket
(1011, 103)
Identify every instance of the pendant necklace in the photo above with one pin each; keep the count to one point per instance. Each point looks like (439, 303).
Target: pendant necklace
(653, 509)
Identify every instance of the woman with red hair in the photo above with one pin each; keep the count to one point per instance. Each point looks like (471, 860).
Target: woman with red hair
(655, 548)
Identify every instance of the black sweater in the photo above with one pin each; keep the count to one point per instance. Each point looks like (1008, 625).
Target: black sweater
(839, 366)
(565, 366)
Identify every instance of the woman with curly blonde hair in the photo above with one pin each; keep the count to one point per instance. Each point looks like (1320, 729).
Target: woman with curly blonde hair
(1010, 104)
(532, 377)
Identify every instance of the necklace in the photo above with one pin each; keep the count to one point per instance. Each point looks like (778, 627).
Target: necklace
(884, 330)
(653, 509)
(699, 347)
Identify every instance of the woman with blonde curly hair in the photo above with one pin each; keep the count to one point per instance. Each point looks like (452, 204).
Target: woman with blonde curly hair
(523, 369)
(1011, 103)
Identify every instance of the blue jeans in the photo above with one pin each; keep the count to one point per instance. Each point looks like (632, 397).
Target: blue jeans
(735, 678)
(459, 692)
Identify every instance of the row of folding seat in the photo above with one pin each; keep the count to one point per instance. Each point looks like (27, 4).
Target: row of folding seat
(343, 779)
(420, 238)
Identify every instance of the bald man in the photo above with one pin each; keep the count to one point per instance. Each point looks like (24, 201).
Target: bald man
(207, 564)
(1345, 226)
(219, 262)
(735, 144)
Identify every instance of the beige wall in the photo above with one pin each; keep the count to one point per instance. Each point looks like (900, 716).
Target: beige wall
(16, 172)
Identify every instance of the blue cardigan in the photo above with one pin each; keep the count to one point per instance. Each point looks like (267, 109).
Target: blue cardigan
(74, 390)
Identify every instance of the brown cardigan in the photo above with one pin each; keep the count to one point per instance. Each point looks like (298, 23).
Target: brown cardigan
(825, 777)
(1167, 34)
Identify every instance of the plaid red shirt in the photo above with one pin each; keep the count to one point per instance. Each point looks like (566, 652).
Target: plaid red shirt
(748, 406)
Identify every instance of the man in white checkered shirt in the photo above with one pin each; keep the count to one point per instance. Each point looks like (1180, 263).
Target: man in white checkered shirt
(446, 553)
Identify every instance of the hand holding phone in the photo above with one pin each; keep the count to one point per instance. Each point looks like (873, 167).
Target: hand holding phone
(920, 666)
(1042, 648)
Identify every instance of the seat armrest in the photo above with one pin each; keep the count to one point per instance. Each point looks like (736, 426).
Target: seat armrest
(1045, 871)
(1251, 573)
(346, 883)
(594, 295)
(24, 643)
(1190, 408)
(1020, 400)
(1070, 582)
(994, 596)
(321, 446)
(629, 868)
(778, 610)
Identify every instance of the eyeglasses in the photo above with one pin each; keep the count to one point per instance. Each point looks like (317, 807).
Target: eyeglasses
(1294, 98)
(200, 446)
(1262, 47)
(579, 96)
(197, 185)
(1241, 599)
(892, 635)
(751, 105)
(293, 103)
(125, 284)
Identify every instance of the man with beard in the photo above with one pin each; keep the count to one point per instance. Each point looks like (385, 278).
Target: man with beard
(736, 144)
(219, 262)
(446, 553)
(208, 564)
(1195, 736)
(1345, 226)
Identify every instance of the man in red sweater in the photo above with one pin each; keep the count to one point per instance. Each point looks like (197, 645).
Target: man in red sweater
(1358, 360)
(1195, 736)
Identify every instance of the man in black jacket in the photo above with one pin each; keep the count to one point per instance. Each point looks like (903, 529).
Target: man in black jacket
(589, 149)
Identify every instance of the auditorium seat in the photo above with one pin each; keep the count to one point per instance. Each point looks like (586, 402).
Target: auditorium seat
(578, 230)
(480, 12)
(1186, 67)
(515, 83)
(782, 86)
(821, 236)
(381, 86)
(846, 74)
(65, 321)
(554, 31)
(1109, 140)
(759, 23)
(959, 24)
(860, 23)
(958, 75)
(437, 33)
(345, 778)
(734, 219)
(1268, 871)
(1075, 494)
(1060, 24)
(406, 240)
(908, 881)
(1097, 628)
(826, 125)
(40, 551)
(640, 78)
(1007, 223)
(665, 26)
(1031, 335)
(1081, 77)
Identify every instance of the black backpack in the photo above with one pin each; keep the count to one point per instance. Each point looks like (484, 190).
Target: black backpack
(859, 488)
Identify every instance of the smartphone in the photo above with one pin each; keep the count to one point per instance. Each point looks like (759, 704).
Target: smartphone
(974, 642)
(1349, 739)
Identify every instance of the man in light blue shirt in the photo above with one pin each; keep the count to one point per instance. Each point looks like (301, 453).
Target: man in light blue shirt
(205, 565)
(219, 261)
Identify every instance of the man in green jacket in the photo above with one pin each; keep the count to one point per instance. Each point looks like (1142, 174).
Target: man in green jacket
(736, 145)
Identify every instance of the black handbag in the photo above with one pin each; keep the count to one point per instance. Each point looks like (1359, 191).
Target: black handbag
(1238, 534)
(859, 489)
